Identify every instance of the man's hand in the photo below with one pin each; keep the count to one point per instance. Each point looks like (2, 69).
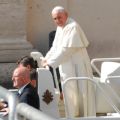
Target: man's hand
(2, 105)
(43, 62)
(5, 111)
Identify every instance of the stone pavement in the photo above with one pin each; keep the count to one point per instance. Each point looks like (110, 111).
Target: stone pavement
(61, 108)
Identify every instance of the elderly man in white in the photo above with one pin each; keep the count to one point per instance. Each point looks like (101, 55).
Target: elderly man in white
(69, 53)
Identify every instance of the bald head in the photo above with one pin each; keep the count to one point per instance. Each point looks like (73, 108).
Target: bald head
(21, 76)
(22, 71)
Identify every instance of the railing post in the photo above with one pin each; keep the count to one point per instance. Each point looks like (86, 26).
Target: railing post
(31, 113)
(12, 101)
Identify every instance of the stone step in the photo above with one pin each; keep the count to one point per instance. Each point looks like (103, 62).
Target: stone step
(14, 43)
(12, 49)
(10, 56)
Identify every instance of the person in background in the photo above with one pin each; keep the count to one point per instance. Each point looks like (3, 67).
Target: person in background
(30, 64)
(26, 92)
(33, 77)
(69, 52)
(51, 38)
(27, 61)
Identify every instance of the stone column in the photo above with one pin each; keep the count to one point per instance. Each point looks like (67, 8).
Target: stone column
(13, 43)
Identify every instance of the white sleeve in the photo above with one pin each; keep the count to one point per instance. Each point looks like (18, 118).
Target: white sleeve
(63, 55)
(50, 53)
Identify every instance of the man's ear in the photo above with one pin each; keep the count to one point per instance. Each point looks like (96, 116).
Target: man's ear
(66, 14)
(28, 66)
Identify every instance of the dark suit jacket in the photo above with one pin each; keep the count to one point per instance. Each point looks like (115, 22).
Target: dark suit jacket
(30, 96)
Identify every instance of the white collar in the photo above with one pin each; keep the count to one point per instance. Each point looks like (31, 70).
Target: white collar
(22, 88)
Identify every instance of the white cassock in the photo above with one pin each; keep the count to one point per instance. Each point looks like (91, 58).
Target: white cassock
(70, 54)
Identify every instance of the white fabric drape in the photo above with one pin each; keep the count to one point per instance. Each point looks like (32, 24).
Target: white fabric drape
(70, 54)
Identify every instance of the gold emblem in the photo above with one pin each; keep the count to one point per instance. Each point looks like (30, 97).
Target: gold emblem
(47, 97)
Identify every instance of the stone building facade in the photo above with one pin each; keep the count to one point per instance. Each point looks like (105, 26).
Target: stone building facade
(26, 24)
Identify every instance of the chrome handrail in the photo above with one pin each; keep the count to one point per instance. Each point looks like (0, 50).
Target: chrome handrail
(106, 96)
(12, 102)
(31, 113)
(93, 61)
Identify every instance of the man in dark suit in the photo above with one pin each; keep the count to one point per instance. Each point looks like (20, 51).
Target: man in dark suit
(51, 39)
(26, 92)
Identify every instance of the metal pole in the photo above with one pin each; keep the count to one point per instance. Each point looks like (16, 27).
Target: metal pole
(99, 86)
(12, 101)
(31, 113)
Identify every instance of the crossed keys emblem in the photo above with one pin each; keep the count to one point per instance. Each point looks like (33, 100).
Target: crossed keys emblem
(47, 97)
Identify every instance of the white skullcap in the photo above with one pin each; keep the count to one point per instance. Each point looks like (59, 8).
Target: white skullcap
(58, 9)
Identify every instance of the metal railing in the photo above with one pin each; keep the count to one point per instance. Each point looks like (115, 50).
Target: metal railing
(104, 93)
(12, 102)
(28, 112)
(96, 60)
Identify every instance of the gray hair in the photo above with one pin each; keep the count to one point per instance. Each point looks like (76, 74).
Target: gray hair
(58, 9)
